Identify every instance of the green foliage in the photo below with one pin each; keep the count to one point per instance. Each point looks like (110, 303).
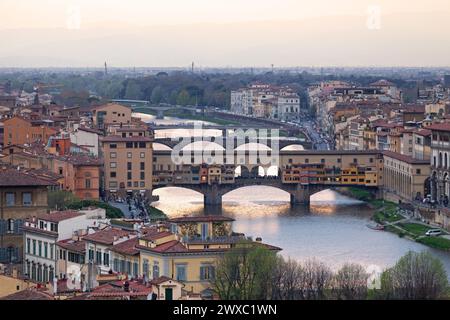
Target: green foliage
(414, 276)
(58, 200)
(436, 242)
(244, 272)
(111, 212)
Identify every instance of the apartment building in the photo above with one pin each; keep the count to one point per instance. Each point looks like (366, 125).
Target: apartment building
(22, 195)
(24, 131)
(128, 164)
(41, 236)
(111, 113)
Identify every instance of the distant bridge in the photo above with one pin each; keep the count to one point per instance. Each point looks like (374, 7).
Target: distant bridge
(159, 108)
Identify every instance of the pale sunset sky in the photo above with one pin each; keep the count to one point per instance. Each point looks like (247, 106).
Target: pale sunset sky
(225, 32)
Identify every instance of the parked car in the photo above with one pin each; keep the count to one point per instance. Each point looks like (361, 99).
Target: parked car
(433, 232)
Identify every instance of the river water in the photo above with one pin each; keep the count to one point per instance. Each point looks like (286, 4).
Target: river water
(333, 229)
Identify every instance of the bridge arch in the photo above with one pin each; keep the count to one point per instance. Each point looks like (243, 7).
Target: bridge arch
(295, 146)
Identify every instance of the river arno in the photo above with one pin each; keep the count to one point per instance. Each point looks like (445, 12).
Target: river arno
(332, 230)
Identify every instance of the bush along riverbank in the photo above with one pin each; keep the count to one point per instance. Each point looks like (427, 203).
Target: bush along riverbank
(155, 214)
(390, 215)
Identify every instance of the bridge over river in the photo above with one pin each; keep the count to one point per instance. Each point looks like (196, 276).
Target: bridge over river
(300, 173)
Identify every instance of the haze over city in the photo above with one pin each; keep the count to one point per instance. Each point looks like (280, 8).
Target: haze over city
(224, 33)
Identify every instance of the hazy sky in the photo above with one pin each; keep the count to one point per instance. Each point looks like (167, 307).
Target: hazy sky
(224, 32)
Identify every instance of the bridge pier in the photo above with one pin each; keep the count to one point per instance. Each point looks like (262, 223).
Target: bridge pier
(160, 114)
(212, 196)
(300, 195)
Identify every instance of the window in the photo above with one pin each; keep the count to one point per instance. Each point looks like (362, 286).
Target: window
(418, 171)
(91, 255)
(112, 174)
(129, 155)
(113, 146)
(113, 155)
(45, 249)
(142, 165)
(142, 184)
(106, 259)
(99, 257)
(155, 271)
(207, 272)
(129, 165)
(142, 175)
(135, 184)
(135, 269)
(181, 272)
(10, 226)
(142, 145)
(113, 184)
(129, 184)
(53, 227)
(142, 154)
(145, 269)
(88, 183)
(51, 251)
(28, 245)
(129, 145)
(26, 199)
(113, 165)
(40, 248)
(129, 175)
(10, 199)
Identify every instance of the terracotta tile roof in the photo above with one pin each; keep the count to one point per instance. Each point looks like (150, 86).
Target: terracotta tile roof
(439, 127)
(161, 279)
(57, 216)
(209, 218)
(156, 235)
(114, 138)
(404, 158)
(28, 294)
(107, 236)
(11, 177)
(73, 245)
(127, 247)
(423, 132)
(173, 246)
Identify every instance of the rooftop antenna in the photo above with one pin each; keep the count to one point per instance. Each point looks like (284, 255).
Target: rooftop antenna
(106, 69)
(272, 67)
(192, 67)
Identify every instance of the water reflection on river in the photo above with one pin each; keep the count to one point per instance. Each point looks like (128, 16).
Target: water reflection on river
(332, 230)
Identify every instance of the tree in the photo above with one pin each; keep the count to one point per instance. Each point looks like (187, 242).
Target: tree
(350, 282)
(244, 273)
(157, 95)
(183, 98)
(415, 276)
(315, 280)
(59, 200)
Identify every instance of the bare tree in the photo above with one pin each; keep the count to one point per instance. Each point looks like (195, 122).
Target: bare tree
(415, 276)
(350, 282)
(315, 280)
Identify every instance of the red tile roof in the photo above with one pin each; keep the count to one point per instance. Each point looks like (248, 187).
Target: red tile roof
(439, 126)
(57, 216)
(209, 218)
(127, 247)
(404, 158)
(73, 245)
(107, 236)
(11, 177)
(114, 138)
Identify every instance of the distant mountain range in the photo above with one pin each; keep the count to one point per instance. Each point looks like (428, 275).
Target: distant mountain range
(403, 40)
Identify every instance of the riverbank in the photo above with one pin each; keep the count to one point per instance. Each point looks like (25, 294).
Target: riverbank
(189, 116)
(394, 220)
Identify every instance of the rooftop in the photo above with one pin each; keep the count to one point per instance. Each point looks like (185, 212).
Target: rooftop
(107, 236)
(13, 177)
(201, 219)
(404, 158)
(114, 138)
(57, 216)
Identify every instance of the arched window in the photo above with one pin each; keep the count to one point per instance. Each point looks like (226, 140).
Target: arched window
(445, 161)
(434, 161)
(440, 159)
